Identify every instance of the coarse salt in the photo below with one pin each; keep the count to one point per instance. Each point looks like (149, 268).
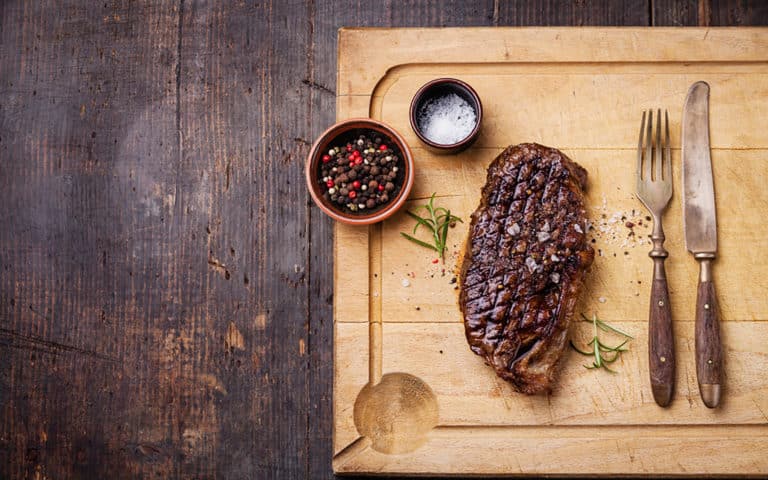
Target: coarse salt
(531, 264)
(447, 120)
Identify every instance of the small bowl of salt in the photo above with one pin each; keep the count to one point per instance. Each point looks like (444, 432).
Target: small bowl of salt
(446, 115)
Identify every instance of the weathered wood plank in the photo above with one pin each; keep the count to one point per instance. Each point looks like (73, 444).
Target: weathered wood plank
(738, 12)
(87, 155)
(710, 12)
(143, 241)
(242, 108)
(576, 13)
(678, 12)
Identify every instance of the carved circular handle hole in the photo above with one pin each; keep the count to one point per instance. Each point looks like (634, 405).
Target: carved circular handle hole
(397, 413)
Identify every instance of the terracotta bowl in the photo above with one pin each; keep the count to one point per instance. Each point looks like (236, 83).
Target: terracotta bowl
(336, 135)
(438, 88)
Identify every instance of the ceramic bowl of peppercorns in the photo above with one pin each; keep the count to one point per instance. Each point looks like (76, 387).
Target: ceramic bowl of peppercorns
(360, 171)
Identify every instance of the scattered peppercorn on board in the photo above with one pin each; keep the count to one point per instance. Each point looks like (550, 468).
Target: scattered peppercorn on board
(409, 395)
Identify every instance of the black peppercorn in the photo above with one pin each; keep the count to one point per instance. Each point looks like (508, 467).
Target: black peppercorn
(361, 173)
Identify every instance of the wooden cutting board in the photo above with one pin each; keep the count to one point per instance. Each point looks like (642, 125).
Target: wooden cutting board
(410, 397)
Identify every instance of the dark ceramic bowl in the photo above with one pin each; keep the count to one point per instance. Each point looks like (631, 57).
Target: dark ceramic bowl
(339, 134)
(438, 88)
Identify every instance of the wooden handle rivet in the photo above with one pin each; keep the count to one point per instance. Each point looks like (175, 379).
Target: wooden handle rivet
(709, 361)
(663, 359)
(661, 303)
(706, 306)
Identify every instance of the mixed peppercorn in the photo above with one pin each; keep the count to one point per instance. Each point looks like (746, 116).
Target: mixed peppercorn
(362, 175)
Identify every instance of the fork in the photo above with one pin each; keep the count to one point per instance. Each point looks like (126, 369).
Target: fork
(654, 189)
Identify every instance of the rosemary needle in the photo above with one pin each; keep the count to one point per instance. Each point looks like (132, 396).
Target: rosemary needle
(437, 222)
(600, 351)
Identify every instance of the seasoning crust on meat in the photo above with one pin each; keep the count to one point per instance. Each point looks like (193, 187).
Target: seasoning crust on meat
(524, 264)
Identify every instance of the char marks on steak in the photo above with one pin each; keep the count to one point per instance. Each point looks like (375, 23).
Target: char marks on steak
(524, 264)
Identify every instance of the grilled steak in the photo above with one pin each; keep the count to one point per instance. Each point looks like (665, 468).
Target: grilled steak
(524, 264)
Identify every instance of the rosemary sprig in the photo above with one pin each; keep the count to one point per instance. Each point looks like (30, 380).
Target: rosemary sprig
(437, 222)
(600, 351)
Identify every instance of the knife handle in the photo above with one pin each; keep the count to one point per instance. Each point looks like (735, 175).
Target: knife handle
(709, 353)
(661, 341)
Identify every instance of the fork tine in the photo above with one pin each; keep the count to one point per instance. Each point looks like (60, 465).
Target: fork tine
(667, 151)
(640, 149)
(659, 150)
(648, 148)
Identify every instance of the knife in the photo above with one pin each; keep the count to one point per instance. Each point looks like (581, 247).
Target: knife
(700, 224)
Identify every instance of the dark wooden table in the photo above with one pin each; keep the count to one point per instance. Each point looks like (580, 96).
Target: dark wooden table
(165, 282)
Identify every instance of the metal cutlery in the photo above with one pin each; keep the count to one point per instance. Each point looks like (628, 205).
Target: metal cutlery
(654, 189)
(700, 224)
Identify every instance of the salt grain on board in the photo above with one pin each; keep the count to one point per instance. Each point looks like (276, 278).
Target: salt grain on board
(610, 227)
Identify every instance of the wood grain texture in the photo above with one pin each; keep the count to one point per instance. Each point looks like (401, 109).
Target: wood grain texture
(155, 319)
(661, 343)
(572, 13)
(710, 370)
(707, 13)
(120, 367)
(89, 146)
(737, 12)
(677, 13)
(245, 215)
(415, 328)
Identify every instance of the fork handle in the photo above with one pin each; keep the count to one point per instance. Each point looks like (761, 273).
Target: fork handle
(661, 342)
(709, 359)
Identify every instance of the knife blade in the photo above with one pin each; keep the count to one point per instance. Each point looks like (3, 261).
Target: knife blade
(699, 215)
(700, 225)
